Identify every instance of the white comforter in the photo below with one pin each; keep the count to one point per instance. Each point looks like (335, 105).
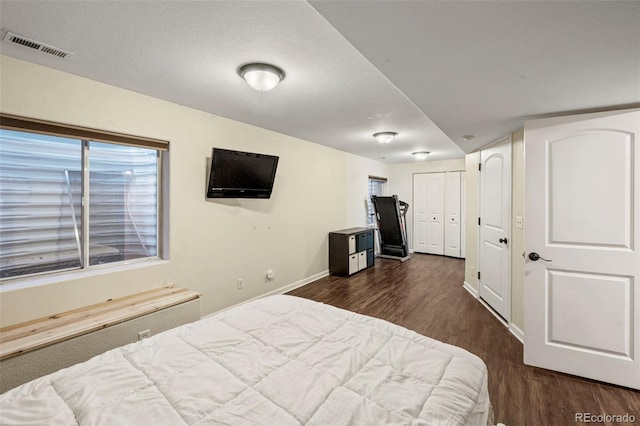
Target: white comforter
(281, 360)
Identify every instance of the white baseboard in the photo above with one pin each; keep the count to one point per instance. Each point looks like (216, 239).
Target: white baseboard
(517, 332)
(490, 309)
(514, 329)
(470, 289)
(297, 284)
(281, 290)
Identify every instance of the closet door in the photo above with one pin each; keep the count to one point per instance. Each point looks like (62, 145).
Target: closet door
(428, 213)
(420, 215)
(452, 214)
(463, 214)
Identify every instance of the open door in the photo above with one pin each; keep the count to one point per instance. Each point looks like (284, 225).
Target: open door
(495, 227)
(581, 238)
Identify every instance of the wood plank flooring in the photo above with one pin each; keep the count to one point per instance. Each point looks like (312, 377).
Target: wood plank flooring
(425, 294)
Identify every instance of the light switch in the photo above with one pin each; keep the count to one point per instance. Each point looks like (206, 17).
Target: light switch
(519, 222)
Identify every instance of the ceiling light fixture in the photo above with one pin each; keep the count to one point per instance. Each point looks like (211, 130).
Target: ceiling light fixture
(261, 77)
(421, 155)
(385, 137)
(468, 138)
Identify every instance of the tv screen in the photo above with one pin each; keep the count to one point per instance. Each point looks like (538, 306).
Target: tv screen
(236, 174)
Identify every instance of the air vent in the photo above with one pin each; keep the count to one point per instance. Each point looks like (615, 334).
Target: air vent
(35, 45)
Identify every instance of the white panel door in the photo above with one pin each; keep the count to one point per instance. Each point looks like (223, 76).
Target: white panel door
(452, 214)
(435, 209)
(495, 227)
(463, 214)
(428, 213)
(420, 214)
(435, 195)
(583, 227)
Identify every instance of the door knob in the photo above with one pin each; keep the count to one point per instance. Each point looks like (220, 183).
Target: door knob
(535, 257)
(503, 240)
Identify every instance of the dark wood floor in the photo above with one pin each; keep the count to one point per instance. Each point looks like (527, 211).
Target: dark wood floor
(426, 295)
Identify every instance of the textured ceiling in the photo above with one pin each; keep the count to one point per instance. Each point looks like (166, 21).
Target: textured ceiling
(483, 67)
(353, 67)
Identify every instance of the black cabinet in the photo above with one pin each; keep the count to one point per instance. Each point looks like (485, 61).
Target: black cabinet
(350, 251)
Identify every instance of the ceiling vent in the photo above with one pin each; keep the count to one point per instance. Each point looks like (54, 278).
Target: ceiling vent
(35, 45)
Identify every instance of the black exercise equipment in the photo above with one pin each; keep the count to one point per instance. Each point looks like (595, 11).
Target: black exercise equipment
(390, 215)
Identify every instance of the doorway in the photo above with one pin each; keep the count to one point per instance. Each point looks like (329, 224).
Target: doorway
(494, 274)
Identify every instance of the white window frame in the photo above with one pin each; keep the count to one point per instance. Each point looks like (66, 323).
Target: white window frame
(383, 184)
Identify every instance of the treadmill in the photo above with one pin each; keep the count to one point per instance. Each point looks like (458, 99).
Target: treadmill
(390, 216)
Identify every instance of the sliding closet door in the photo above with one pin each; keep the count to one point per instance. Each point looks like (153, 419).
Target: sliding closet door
(420, 215)
(452, 214)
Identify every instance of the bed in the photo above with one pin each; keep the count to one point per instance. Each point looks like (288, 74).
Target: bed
(279, 360)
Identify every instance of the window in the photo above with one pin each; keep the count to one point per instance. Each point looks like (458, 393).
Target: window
(70, 202)
(376, 187)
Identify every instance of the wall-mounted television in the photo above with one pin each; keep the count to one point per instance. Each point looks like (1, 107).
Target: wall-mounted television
(237, 174)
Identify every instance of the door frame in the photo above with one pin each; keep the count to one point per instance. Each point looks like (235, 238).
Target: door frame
(507, 319)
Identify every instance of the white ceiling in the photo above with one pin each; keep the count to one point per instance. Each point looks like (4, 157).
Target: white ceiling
(430, 70)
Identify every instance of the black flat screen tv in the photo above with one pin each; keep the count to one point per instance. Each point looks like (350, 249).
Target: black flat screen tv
(237, 174)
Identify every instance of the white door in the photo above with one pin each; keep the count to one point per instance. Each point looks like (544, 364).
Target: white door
(420, 215)
(428, 212)
(495, 227)
(582, 307)
(452, 214)
(463, 214)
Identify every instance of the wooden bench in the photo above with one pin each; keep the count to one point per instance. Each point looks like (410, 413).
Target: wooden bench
(28, 336)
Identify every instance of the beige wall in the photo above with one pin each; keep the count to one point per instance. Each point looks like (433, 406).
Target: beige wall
(517, 235)
(401, 182)
(212, 243)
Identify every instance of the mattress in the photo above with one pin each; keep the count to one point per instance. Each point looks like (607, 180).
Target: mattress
(280, 360)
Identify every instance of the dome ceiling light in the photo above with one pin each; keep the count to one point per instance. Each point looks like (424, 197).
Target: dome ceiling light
(262, 77)
(385, 137)
(420, 155)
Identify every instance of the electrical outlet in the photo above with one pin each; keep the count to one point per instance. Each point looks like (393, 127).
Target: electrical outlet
(144, 334)
(240, 283)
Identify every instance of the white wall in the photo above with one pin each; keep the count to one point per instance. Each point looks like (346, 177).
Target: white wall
(401, 182)
(212, 243)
